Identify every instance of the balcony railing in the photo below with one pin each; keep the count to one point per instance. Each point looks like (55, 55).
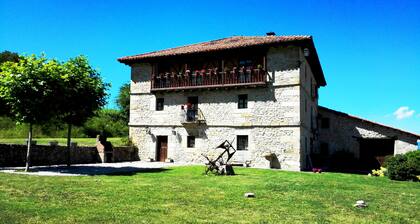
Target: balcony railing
(193, 116)
(209, 78)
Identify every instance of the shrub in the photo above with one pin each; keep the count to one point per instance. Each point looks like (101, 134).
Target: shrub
(379, 172)
(404, 166)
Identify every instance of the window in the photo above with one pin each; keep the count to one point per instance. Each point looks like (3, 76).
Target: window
(190, 141)
(243, 101)
(159, 103)
(242, 142)
(325, 123)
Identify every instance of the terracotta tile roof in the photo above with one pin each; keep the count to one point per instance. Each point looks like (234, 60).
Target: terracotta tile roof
(236, 42)
(367, 121)
(217, 45)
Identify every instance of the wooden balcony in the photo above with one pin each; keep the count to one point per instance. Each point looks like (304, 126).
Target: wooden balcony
(211, 78)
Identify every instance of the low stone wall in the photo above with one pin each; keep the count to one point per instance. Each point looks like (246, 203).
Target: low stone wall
(15, 155)
(124, 154)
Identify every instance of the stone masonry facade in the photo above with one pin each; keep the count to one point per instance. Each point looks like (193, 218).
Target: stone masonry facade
(272, 120)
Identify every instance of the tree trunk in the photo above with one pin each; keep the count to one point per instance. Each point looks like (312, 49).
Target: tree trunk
(28, 152)
(68, 144)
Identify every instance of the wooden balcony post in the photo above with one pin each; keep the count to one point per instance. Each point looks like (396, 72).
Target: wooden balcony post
(264, 63)
(223, 73)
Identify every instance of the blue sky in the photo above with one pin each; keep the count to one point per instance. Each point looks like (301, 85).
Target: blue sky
(369, 50)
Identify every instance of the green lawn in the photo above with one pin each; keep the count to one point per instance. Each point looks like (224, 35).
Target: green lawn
(63, 141)
(184, 195)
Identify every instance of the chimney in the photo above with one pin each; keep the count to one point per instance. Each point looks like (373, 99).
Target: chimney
(271, 34)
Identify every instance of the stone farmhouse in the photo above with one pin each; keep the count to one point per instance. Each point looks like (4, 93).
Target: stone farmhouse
(261, 92)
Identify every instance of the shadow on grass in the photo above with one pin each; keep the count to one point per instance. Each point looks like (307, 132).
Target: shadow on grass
(98, 170)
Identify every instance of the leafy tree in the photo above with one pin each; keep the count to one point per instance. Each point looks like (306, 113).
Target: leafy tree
(107, 121)
(6, 56)
(123, 100)
(25, 87)
(79, 94)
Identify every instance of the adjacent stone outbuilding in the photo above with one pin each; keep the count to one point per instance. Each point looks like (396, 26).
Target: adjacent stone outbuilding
(367, 141)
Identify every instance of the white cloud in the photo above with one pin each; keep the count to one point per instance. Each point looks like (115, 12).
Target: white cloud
(403, 112)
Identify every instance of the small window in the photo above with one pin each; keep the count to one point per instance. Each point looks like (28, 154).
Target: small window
(159, 103)
(324, 148)
(243, 101)
(242, 142)
(325, 123)
(191, 141)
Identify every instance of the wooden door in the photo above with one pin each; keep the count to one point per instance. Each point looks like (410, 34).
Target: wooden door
(162, 148)
(192, 106)
(193, 100)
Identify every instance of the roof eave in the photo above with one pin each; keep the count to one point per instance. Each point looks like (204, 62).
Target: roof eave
(367, 121)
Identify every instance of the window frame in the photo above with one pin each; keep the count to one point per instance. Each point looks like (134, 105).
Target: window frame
(325, 123)
(243, 101)
(246, 144)
(190, 138)
(158, 106)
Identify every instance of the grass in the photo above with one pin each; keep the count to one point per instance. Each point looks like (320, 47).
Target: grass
(63, 141)
(184, 195)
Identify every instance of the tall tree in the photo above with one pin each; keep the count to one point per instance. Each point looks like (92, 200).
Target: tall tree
(79, 94)
(6, 56)
(25, 87)
(123, 100)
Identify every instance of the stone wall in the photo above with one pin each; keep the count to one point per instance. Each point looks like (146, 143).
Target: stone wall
(271, 121)
(282, 141)
(308, 109)
(344, 131)
(271, 106)
(15, 155)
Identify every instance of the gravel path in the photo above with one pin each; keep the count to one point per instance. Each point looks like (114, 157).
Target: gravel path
(93, 169)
